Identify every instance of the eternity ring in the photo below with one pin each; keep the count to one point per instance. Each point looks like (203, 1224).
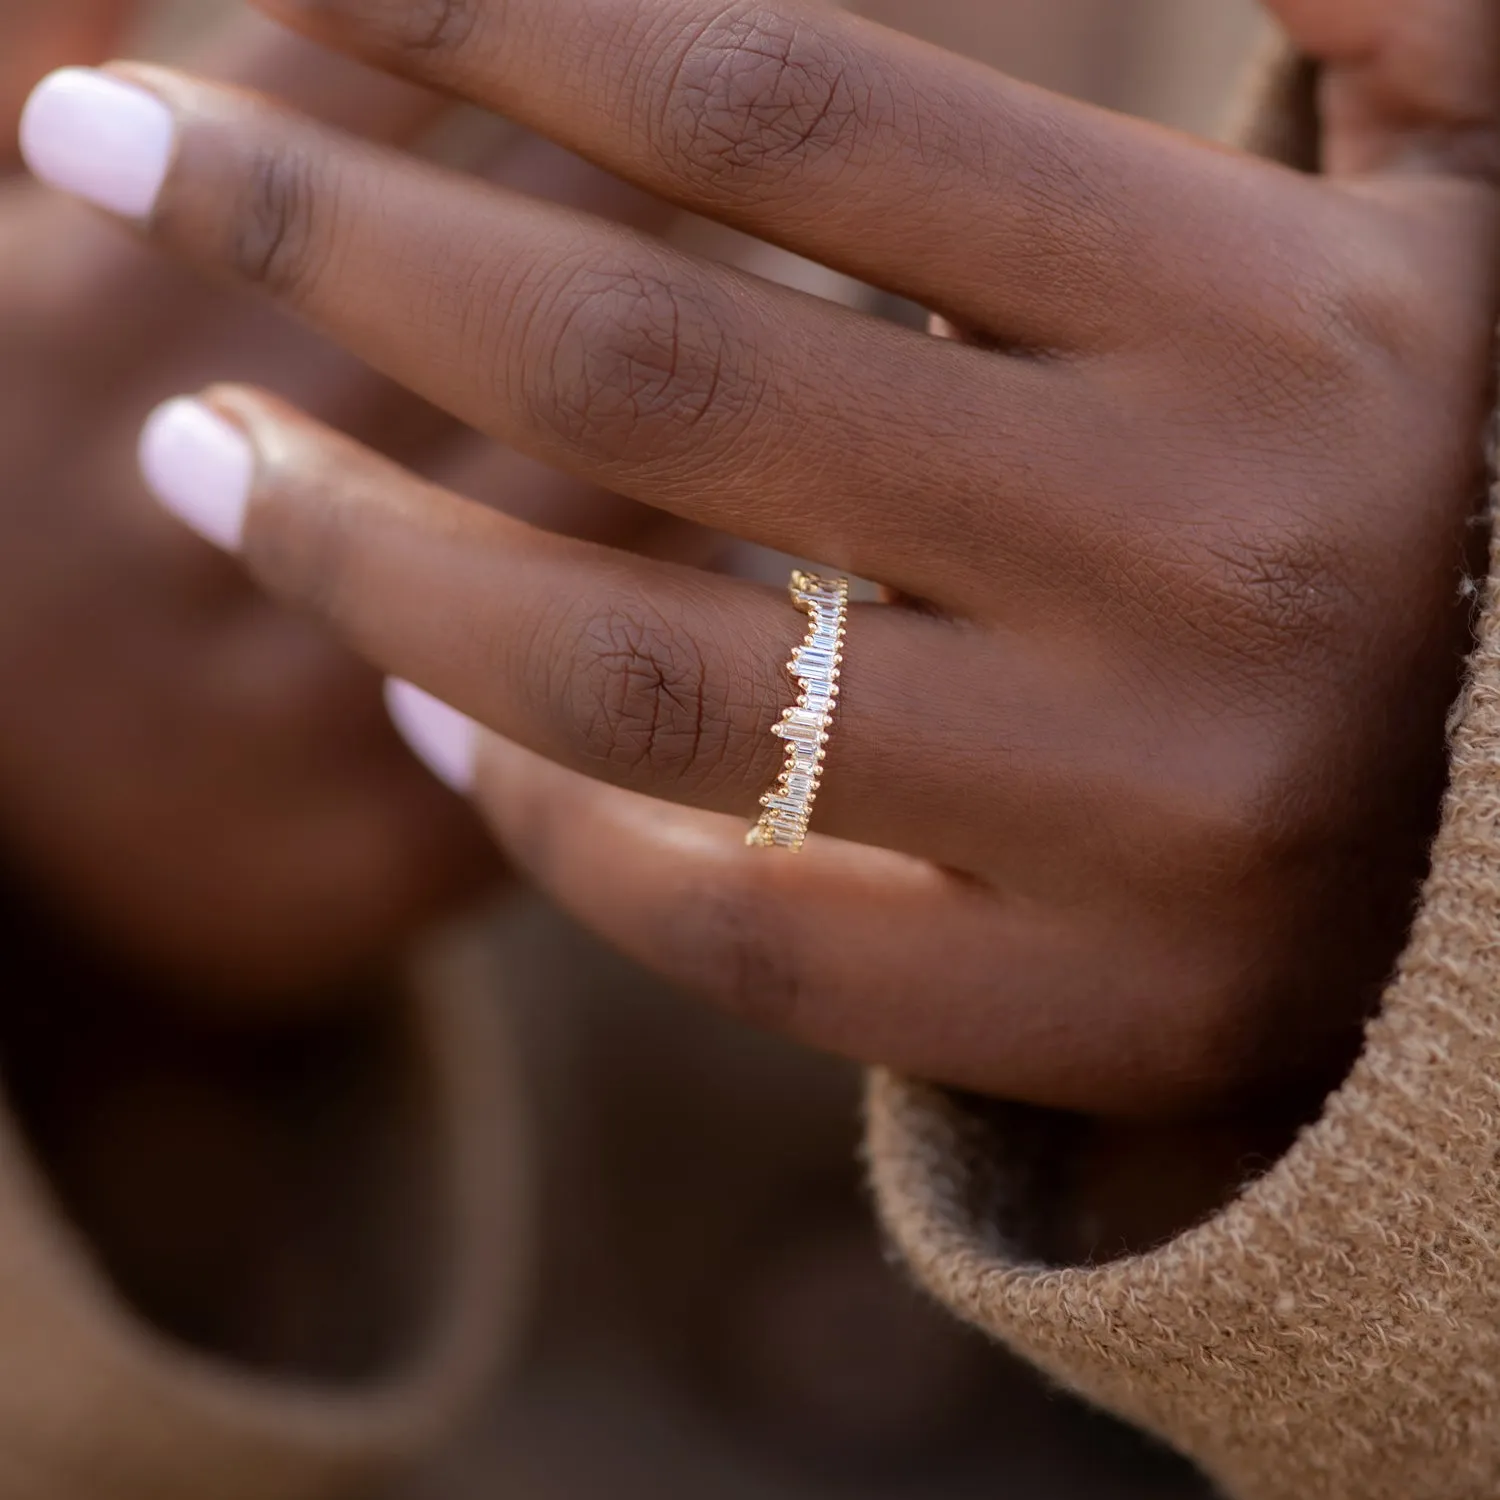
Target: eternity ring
(805, 727)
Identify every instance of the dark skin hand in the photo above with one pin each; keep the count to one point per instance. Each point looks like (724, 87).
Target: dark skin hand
(199, 781)
(1132, 790)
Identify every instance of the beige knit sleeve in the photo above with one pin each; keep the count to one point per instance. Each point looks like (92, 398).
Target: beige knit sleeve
(98, 1399)
(1334, 1333)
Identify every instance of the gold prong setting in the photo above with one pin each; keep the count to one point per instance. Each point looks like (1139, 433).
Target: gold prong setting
(806, 726)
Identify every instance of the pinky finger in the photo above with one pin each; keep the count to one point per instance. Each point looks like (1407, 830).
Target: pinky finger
(860, 952)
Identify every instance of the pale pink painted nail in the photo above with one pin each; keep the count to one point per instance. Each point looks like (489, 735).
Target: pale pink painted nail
(201, 467)
(444, 740)
(103, 140)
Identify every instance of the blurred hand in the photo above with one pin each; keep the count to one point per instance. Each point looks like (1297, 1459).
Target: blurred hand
(205, 782)
(1142, 785)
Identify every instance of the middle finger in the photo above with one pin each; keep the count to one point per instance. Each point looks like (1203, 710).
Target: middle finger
(761, 411)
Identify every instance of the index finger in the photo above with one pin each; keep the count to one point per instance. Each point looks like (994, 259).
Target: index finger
(1047, 222)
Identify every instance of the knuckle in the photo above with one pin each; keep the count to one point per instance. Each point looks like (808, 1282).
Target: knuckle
(1268, 893)
(1282, 585)
(758, 99)
(1241, 812)
(1212, 855)
(423, 29)
(274, 230)
(1222, 831)
(1353, 294)
(638, 695)
(303, 553)
(1326, 318)
(1262, 596)
(635, 367)
(731, 946)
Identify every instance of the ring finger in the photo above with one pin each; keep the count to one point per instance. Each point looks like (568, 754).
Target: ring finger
(648, 675)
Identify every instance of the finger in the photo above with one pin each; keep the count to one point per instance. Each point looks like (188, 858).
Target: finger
(1405, 87)
(649, 675)
(427, 440)
(680, 383)
(1044, 221)
(841, 947)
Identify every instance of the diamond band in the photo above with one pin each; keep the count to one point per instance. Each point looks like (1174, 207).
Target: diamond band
(805, 727)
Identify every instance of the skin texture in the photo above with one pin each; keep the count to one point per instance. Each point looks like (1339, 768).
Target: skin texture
(201, 782)
(1132, 785)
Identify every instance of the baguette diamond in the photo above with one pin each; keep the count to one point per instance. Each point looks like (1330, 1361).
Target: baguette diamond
(815, 667)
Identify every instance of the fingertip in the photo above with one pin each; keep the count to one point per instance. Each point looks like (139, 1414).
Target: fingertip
(97, 137)
(444, 740)
(201, 468)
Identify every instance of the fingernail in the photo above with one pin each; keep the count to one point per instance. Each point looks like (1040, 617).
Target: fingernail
(200, 467)
(442, 738)
(101, 139)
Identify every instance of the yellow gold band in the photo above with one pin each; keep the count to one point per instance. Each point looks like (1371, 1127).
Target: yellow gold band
(805, 727)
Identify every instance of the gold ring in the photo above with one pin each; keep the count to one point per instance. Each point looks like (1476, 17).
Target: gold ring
(805, 727)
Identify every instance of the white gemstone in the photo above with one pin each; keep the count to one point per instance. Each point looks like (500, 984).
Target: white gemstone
(812, 662)
(802, 727)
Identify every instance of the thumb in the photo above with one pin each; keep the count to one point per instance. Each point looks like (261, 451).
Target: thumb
(39, 35)
(1408, 85)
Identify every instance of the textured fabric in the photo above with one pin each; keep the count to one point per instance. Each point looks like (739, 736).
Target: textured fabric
(97, 1401)
(1334, 1333)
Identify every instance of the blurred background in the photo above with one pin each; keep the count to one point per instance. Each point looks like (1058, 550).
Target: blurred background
(1170, 60)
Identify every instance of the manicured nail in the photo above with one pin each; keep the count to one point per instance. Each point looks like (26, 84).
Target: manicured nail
(442, 738)
(101, 139)
(200, 467)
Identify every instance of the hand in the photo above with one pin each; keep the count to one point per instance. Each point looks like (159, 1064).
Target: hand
(1138, 776)
(202, 781)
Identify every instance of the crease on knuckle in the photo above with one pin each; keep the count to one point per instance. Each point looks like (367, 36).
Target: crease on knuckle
(757, 100)
(635, 367)
(274, 231)
(302, 552)
(640, 700)
(1279, 590)
(729, 944)
(1259, 596)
